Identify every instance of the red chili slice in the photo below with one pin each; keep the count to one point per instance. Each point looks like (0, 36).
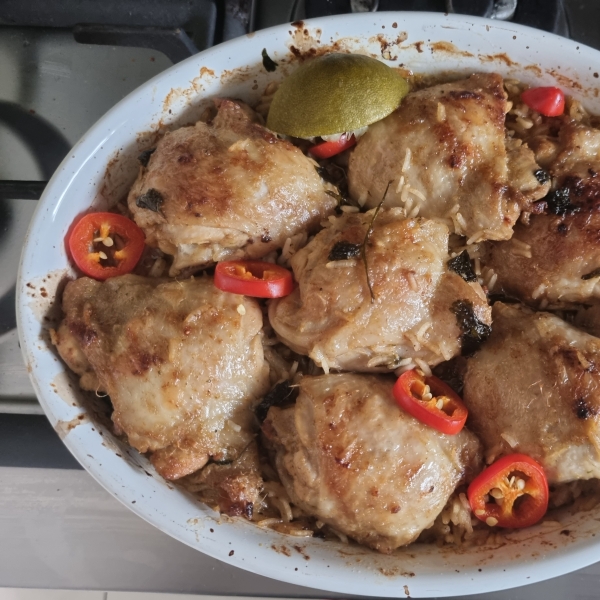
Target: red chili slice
(513, 493)
(431, 401)
(105, 245)
(253, 278)
(548, 101)
(329, 149)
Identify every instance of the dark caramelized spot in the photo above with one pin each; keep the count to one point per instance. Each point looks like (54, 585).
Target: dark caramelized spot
(583, 410)
(283, 393)
(236, 508)
(474, 331)
(152, 200)
(344, 250)
(185, 158)
(85, 335)
(461, 264)
(464, 95)
(142, 361)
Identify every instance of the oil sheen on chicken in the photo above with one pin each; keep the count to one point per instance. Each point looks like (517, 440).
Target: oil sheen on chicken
(534, 388)
(444, 149)
(347, 454)
(556, 256)
(332, 318)
(225, 190)
(181, 361)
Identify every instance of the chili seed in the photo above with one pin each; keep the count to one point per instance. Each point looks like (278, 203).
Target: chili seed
(241, 309)
(439, 404)
(496, 493)
(491, 521)
(520, 484)
(98, 239)
(102, 255)
(108, 242)
(480, 512)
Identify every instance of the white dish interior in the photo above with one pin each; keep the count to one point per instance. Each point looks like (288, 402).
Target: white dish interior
(100, 169)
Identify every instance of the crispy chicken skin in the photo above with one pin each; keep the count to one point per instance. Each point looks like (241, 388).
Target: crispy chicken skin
(229, 189)
(330, 315)
(146, 342)
(568, 149)
(347, 454)
(235, 487)
(458, 158)
(534, 388)
(564, 248)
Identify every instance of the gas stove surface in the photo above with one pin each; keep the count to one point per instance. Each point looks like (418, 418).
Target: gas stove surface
(54, 88)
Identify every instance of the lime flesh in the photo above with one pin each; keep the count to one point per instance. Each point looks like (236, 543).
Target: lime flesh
(333, 94)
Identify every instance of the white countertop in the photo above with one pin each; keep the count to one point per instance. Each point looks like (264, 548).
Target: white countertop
(60, 530)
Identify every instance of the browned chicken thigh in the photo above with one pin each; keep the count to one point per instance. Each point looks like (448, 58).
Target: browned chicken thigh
(445, 151)
(556, 257)
(534, 388)
(144, 342)
(332, 318)
(226, 190)
(347, 454)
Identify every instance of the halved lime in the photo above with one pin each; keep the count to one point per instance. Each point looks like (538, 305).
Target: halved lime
(335, 93)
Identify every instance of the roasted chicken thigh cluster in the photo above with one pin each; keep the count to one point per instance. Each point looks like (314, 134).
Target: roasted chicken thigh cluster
(534, 388)
(228, 189)
(390, 281)
(143, 341)
(556, 256)
(445, 149)
(349, 456)
(332, 317)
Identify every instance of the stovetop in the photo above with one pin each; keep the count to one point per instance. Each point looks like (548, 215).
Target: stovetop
(62, 69)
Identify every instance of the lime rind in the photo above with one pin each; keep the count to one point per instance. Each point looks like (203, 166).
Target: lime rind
(335, 93)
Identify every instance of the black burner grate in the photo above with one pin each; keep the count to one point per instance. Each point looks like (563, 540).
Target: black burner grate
(548, 15)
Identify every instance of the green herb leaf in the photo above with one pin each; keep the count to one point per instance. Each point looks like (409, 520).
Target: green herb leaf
(591, 275)
(283, 393)
(152, 200)
(343, 250)
(474, 331)
(338, 197)
(268, 63)
(461, 264)
(366, 241)
(144, 157)
(542, 176)
(559, 203)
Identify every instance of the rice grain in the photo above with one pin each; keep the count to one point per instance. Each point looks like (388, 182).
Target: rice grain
(423, 366)
(406, 163)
